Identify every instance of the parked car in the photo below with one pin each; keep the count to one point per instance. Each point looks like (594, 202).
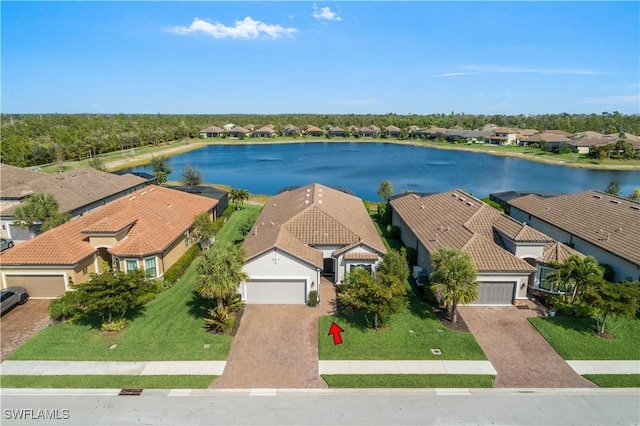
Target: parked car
(11, 296)
(5, 243)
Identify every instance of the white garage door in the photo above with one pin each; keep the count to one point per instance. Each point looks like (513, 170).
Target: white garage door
(491, 293)
(275, 292)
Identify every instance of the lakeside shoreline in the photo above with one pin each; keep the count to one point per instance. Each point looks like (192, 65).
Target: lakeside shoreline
(138, 160)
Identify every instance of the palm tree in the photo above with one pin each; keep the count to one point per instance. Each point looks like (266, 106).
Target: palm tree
(238, 196)
(220, 271)
(39, 208)
(576, 273)
(453, 278)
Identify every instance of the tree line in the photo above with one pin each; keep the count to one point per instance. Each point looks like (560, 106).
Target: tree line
(35, 139)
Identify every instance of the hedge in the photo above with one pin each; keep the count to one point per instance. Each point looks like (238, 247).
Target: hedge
(175, 272)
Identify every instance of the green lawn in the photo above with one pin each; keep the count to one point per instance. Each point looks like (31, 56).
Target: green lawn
(409, 336)
(615, 380)
(230, 231)
(574, 339)
(108, 382)
(170, 327)
(409, 381)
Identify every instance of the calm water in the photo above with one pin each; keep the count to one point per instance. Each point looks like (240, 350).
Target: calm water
(265, 169)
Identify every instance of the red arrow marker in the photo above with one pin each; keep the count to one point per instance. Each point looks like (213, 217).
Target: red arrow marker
(335, 330)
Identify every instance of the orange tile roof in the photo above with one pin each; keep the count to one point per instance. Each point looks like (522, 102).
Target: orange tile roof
(311, 215)
(606, 221)
(458, 220)
(159, 216)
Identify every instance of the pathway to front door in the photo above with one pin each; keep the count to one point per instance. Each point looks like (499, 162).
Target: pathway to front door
(277, 346)
(520, 355)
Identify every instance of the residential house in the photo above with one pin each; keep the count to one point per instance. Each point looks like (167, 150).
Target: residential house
(468, 136)
(555, 141)
(413, 131)
(212, 132)
(370, 131)
(503, 136)
(290, 130)
(504, 197)
(148, 230)
(527, 132)
(77, 192)
(504, 251)
(433, 132)
(303, 234)
(313, 131)
(336, 132)
(593, 222)
(392, 132)
(238, 132)
(267, 131)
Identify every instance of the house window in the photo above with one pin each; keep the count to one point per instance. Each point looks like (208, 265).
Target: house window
(361, 266)
(150, 267)
(543, 279)
(130, 265)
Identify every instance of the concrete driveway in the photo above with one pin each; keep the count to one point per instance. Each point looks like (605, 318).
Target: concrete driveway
(520, 355)
(277, 346)
(20, 323)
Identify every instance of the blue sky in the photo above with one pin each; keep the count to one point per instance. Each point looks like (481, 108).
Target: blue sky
(320, 57)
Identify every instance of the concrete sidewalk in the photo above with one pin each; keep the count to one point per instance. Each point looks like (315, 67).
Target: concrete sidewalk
(406, 367)
(99, 368)
(605, 367)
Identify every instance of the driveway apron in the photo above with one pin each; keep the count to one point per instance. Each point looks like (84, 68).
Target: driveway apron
(20, 323)
(520, 355)
(277, 346)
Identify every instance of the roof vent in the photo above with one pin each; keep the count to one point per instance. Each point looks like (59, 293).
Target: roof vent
(469, 203)
(454, 194)
(306, 201)
(319, 201)
(635, 207)
(597, 196)
(614, 201)
(422, 206)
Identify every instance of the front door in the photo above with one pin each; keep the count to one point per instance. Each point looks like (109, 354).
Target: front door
(329, 266)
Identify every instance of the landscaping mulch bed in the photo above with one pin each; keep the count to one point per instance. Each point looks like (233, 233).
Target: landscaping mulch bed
(443, 316)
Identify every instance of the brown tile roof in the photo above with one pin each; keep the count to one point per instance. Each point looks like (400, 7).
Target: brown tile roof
(558, 252)
(360, 255)
(504, 130)
(266, 129)
(458, 220)
(158, 216)
(311, 215)
(559, 132)
(312, 128)
(392, 129)
(74, 189)
(212, 129)
(11, 176)
(603, 220)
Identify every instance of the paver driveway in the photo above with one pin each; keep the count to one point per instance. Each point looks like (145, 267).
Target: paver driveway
(277, 346)
(20, 323)
(520, 355)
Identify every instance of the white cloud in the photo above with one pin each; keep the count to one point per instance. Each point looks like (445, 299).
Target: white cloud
(325, 13)
(515, 70)
(453, 74)
(622, 99)
(248, 28)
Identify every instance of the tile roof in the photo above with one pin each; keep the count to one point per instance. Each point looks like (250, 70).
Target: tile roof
(311, 215)
(360, 255)
(558, 252)
(212, 129)
(458, 220)
(606, 221)
(74, 189)
(11, 176)
(157, 216)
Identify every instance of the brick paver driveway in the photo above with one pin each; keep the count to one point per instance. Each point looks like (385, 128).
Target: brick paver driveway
(277, 346)
(20, 323)
(517, 351)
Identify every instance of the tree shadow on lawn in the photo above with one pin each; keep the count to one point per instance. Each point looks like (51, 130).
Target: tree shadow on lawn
(95, 321)
(198, 305)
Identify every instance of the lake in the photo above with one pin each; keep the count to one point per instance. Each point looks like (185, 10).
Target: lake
(360, 167)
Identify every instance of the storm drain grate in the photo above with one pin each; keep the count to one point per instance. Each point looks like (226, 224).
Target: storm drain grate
(130, 392)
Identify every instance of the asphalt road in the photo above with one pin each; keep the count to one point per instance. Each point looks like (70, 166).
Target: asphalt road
(426, 407)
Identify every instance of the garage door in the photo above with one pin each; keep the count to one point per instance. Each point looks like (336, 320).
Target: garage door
(276, 292)
(498, 293)
(46, 286)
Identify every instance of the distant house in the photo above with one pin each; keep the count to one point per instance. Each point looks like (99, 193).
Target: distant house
(147, 230)
(267, 131)
(336, 132)
(594, 223)
(504, 197)
(237, 132)
(212, 132)
(505, 252)
(468, 136)
(313, 131)
(77, 192)
(392, 131)
(433, 132)
(302, 234)
(290, 130)
(554, 140)
(369, 131)
(503, 136)
(413, 131)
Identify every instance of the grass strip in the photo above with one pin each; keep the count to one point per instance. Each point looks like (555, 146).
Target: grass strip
(408, 381)
(575, 338)
(108, 382)
(615, 380)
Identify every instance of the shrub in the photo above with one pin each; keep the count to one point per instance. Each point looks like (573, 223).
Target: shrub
(393, 232)
(65, 307)
(220, 320)
(115, 325)
(412, 256)
(384, 214)
(155, 289)
(609, 273)
(175, 272)
(245, 227)
(313, 298)
(228, 212)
